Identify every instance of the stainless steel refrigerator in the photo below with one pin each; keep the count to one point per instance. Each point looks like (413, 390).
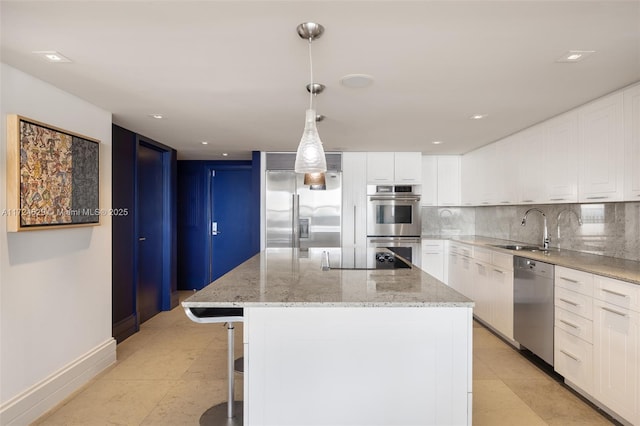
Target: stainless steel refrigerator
(300, 217)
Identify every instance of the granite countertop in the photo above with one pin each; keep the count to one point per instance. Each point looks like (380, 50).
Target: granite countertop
(291, 278)
(612, 267)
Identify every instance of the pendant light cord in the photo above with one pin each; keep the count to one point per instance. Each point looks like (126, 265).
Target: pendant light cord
(310, 77)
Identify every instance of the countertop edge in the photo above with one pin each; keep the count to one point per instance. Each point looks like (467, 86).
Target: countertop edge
(553, 257)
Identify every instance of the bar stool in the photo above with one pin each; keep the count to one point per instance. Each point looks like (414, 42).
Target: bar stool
(216, 415)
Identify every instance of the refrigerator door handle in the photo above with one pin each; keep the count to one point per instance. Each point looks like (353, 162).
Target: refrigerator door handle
(295, 222)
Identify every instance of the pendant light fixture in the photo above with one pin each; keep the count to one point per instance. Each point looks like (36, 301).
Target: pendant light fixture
(316, 181)
(310, 156)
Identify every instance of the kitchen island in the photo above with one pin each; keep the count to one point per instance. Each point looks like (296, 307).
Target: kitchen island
(345, 346)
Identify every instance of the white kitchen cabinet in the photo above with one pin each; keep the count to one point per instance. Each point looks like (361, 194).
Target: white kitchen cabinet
(433, 258)
(469, 178)
(394, 167)
(493, 290)
(460, 274)
(531, 165)
(616, 358)
(486, 175)
(408, 167)
(481, 290)
(501, 279)
(597, 339)
(449, 180)
(561, 158)
(380, 167)
(573, 359)
(573, 331)
(429, 195)
(601, 150)
(632, 143)
(440, 180)
(506, 169)
(354, 200)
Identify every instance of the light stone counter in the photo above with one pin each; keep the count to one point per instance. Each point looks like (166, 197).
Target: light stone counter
(620, 269)
(281, 277)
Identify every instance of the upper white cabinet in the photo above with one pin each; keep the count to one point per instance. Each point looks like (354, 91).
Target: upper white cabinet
(561, 158)
(440, 180)
(394, 167)
(469, 180)
(632, 143)
(601, 150)
(448, 180)
(506, 170)
(531, 165)
(429, 195)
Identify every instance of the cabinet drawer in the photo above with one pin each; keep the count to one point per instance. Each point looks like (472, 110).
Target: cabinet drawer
(573, 358)
(502, 260)
(579, 281)
(574, 324)
(465, 250)
(619, 293)
(574, 302)
(483, 255)
(432, 246)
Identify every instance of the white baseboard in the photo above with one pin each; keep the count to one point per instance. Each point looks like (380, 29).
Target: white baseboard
(41, 397)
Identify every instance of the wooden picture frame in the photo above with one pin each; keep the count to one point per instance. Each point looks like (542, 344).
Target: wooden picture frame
(52, 177)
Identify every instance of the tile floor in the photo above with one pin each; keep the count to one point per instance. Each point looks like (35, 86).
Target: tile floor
(173, 370)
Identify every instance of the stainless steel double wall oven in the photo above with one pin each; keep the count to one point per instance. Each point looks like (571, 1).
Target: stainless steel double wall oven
(394, 222)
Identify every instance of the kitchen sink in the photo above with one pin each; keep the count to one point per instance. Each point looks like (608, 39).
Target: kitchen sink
(519, 247)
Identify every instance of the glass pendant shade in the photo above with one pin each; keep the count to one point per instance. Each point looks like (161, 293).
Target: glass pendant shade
(315, 181)
(310, 156)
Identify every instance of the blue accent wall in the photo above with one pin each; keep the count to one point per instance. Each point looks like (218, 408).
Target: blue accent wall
(194, 216)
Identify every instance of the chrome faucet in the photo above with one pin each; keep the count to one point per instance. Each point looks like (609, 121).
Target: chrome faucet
(578, 218)
(545, 236)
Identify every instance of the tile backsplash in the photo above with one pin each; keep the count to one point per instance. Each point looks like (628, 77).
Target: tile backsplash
(609, 229)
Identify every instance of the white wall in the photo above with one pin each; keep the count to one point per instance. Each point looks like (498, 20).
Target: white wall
(55, 285)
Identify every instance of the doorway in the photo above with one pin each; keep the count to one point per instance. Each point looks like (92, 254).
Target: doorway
(231, 220)
(151, 239)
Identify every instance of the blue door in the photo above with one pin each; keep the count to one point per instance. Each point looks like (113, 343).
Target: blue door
(231, 214)
(150, 231)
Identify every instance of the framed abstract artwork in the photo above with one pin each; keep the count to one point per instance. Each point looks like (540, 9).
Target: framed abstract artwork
(52, 177)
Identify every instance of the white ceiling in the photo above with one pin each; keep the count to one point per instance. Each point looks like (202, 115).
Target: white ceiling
(233, 73)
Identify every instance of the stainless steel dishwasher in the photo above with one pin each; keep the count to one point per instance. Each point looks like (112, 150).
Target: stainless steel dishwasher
(533, 306)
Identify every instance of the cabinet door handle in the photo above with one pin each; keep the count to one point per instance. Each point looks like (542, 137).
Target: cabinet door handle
(569, 302)
(430, 252)
(569, 279)
(573, 357)
(597, 198)
(556, 199)
(570, 324)
(613, 311)
(615, 293)
(498, 271)
(527, 201)
(509, 202)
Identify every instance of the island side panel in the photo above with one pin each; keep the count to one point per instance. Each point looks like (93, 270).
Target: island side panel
(354, 366)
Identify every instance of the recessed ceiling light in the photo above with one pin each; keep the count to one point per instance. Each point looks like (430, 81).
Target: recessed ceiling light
(51, 56)
(478, 116)
(575, 55)
(204, 143)
(224, 154)
(156, 116)
(436, 142)
(356, 81)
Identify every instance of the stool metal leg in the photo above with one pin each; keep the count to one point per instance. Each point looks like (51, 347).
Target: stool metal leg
(230, 372)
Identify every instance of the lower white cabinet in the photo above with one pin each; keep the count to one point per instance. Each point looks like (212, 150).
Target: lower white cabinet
(486, 276)
(597, 339)
(433, 258)
(573, 359)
